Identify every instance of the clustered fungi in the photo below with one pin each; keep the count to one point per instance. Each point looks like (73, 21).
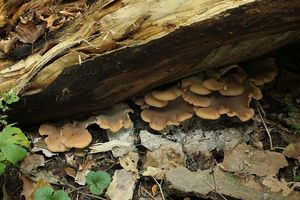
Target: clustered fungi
(61, 138)
(227, 91)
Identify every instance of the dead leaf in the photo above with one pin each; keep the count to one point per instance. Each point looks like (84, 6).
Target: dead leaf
(84, 169)
(245, 159)
(28, 32)
(154, 190)
(129, 163)
(276, 186)
(292, 151)
(122, 185)
(32, 162)
(206, 183)
(70, 172)
(28, 187)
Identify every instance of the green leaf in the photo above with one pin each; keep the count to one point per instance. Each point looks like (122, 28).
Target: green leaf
(2, 168)
(47, 193)
(12, 141)
(98, 181)
(10, 97)
(43, 193)
(60, 195)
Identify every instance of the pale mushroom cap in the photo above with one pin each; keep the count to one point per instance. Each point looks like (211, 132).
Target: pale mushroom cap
(151, 101)
(207, 113)
(194, 83)
(168, 94)
(196, 100)
(53, 141)
(115, 119)
(232, 88)
(213, 84)
(75, 135)
(174, 113)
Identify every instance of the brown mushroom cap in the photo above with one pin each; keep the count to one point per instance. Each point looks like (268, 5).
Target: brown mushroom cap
(151, 101)
(53, 141)
(75, 135)
(194, 83)
(114, 119)
(214, 84)
(262, 71)
(232, 88)
(195, 99)
(174, 113)
(168, 94)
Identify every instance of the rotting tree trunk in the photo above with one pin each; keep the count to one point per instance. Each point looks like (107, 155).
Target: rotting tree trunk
(126, 47)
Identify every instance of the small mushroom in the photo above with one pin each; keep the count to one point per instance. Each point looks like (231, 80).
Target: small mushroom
(53, 141)
(195, 99)
(151, 101)
(168, 94)
(262, 71)
(232, 88)
(114, 119)
(214, 84)
(195, 85)
(174, 113)
(75, 135)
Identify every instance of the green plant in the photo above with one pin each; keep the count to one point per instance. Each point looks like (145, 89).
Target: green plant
(97, 181)
(47, 193)
(13, 142)
(297, 178)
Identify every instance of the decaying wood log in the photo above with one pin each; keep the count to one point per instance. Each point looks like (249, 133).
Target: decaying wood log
(118, 48)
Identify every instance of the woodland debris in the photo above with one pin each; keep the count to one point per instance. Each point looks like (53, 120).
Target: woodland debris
(129, 162)
(244, 159)
(31, 162)
(209, 183)
(122, 185)
(293, 150)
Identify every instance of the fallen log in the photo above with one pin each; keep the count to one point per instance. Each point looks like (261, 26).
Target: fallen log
(118, 49)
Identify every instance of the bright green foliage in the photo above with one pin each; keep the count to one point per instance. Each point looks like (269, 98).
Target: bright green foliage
(98, 181)
(47, 193)
(13, 142)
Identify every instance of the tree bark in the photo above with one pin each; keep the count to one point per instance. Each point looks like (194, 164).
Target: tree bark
(128, 47)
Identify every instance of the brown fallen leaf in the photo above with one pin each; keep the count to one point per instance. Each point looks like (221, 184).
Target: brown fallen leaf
(129, 163)
(28, 187)
(32, 162)
(28, 32)
(276, 186)
(292, 150)
(245, 159)
(122, 185)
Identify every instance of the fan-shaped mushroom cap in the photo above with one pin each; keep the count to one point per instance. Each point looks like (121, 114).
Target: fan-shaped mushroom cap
(175, 112)
(195, 99)
(151, 101)
(75, 135)
(232, 88)
(167, 94)
(214, 84)
(262, 72)
(239, 75)
(53, 140)
(114, 119)
(194, 83)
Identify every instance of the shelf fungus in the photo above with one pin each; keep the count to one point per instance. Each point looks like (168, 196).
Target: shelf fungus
(227, 91)
(114, 119)
(62, 138)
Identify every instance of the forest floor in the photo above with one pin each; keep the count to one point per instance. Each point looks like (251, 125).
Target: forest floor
(221, 159)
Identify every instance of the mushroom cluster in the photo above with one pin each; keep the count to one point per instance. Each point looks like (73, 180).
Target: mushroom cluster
(228, 91)
(61, 138)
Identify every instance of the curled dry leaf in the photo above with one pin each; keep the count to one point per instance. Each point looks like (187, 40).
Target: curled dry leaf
(244, 159)
(129, 163)
(28, 32)
(122, 185)
(32, 162)
(293, 150)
